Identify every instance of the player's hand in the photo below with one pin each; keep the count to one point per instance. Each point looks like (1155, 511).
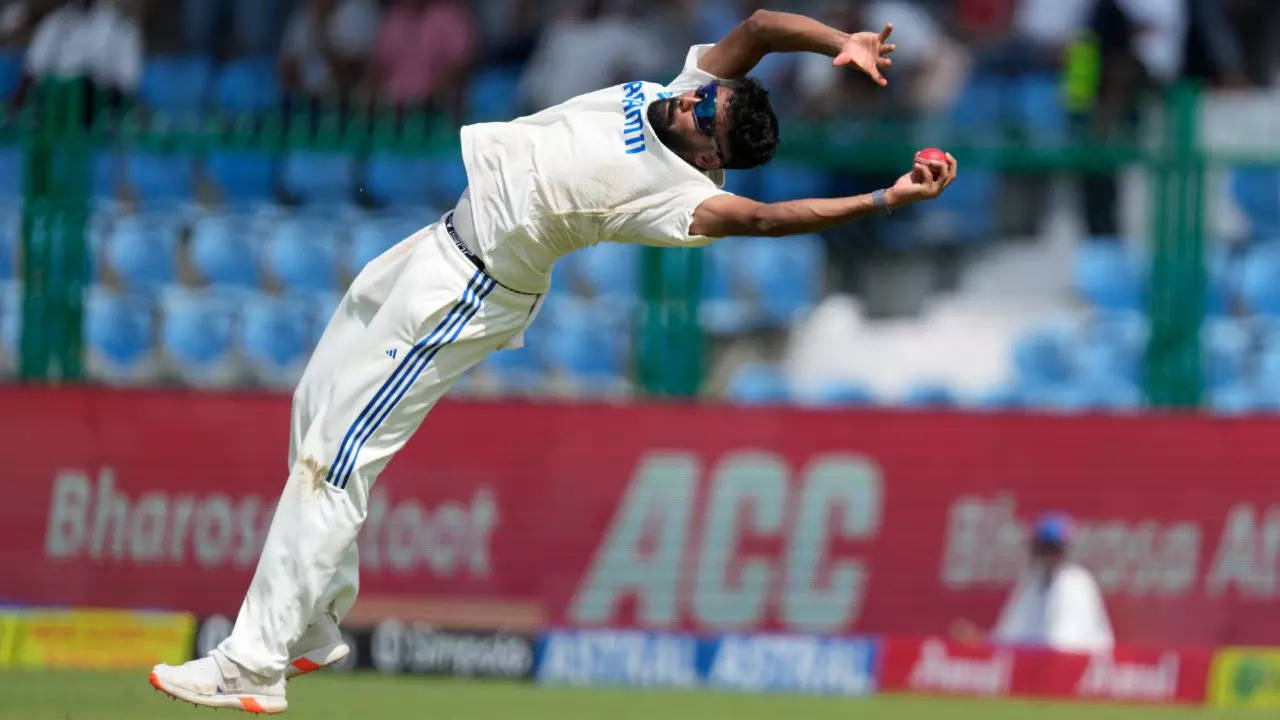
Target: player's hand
(926, 181)
(867, 51)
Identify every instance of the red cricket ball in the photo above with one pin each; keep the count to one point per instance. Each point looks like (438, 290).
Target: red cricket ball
(932, 153)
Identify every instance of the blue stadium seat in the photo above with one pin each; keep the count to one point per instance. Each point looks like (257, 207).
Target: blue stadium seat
(756, 383)
(318, 177)
(929, 395)
(1269, 369)
(274, 339)
(106, 177)
(1257, 190)
(525, 362)
(447, 180)
(584, 342)
(398, 179)
(978, 107)
(781, 180)
(1115, 395)
(1107, 276)
(1260, 280)
(10, 320)
(161, 178)
(724, 309)
(11, 173)
(1041, 356)
(243, 176)
(1111, 345)
(1221, 281)
(743, 182)
(119, 331)
(1099, 359)
(143, 256)
(197, 333)
(8, 251)
(493, 94)
(964, 213)
(843, 393)
(302, 256)
(374, 236)
(10, 71)
(222, 251)
(611, 270)
(320, 308)
(1225, 346)
(1237, 398)
(176, 84)
(248, 85)
(1003, 397)
(1038, 107)
(783, 276)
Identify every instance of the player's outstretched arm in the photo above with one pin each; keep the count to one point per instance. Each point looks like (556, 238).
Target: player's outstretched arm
(767, 31)
(726, 215)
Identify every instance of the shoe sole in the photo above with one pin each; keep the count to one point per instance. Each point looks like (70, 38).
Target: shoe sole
(316, 660)
(257, 704)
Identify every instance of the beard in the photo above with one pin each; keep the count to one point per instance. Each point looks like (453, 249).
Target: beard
(662, 118)
(662, 113)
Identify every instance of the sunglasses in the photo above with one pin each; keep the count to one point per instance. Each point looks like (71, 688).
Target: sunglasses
(704, 113)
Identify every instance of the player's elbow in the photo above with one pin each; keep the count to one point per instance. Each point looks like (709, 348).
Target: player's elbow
(758, 22)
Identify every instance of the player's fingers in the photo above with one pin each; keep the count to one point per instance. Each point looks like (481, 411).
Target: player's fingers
(937, 168)
(842, 59)
(884, 34)
(886, 49)
(884, 62)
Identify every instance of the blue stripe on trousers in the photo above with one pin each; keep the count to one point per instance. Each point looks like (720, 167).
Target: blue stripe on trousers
(399, 393)
(409, 357)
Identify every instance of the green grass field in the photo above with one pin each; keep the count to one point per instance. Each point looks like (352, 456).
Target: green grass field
(114, 696)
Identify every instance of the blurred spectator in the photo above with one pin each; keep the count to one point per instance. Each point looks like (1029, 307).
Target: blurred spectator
(1257, 24)
(326, 46)
(423, 53)
(1056, 603)
(509, 30)
(252, 25)
(19, 17)
(589, 46)
(100, 40)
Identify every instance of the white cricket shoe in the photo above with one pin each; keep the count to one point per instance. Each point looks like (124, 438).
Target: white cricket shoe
(321, 645)
(216, 681)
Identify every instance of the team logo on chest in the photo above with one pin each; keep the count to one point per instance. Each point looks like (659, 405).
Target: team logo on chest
(633, 117)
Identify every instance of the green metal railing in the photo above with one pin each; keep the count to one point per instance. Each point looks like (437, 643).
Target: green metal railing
(670, 347)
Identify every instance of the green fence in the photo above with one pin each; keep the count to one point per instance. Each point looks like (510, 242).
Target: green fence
(670, 360)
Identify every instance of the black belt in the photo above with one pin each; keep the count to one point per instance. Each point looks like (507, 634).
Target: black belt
(462, 247)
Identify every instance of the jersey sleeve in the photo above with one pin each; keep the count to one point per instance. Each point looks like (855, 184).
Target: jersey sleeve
(661, 219)
(692, 77)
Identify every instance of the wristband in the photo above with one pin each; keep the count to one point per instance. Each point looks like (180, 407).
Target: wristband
(882, 206)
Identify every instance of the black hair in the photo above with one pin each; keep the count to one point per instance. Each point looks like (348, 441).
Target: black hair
(753, 128)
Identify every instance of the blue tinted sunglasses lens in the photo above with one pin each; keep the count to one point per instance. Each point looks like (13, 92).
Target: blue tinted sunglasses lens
(704, 113)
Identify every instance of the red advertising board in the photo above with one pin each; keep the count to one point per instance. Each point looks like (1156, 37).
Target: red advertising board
(935, 665)
(700, 518)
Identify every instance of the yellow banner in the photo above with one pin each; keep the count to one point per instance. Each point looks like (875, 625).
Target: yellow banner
(1245, 677)
(101, 639)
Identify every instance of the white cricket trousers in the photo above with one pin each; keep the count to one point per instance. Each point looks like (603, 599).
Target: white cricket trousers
(413, 320)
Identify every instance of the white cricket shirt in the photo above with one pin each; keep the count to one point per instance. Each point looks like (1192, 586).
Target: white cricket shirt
(586, 171)
(1068, 614)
